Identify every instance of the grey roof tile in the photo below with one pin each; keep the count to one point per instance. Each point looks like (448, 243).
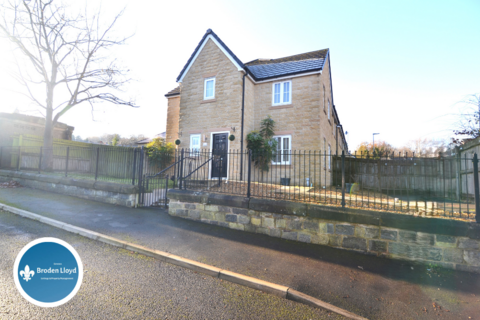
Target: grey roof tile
(173, 92)
(265, 71)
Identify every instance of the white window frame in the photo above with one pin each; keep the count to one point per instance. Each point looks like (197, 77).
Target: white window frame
(194, 150)
(329, 157)
(328, 110)
(205, 88)
(281, 93)
(324, 98)
(289, 150)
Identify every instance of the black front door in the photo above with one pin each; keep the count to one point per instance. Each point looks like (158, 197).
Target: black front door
(220, 155)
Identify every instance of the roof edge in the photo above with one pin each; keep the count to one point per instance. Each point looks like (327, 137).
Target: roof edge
(284, 75)
(272, 61)
(200, 46)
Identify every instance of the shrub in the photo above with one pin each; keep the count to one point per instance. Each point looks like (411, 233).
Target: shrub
(262, 144)
(160, 153)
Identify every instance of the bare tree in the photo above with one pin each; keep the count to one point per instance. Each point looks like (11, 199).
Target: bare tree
(469, 124)
(426, 146)
(68, 59)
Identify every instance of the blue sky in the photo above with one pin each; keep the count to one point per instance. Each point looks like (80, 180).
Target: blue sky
(398, 67)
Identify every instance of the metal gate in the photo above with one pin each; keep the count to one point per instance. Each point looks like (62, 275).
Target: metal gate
(154, 182)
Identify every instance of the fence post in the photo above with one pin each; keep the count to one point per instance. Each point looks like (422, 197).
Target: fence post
(343, 178)
(249, 172)
(96, 167)
(141, 189)
(134, 168)
(458, 174)
(180, 174)
(220, 171)
(166, 189)
(19, 156)
(476, 184)
(40, 160)
(1, 153)
(66, 163)
(175, 168)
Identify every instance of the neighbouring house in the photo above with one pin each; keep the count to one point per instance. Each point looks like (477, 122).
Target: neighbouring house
(146, 141)
(16, 124)
(219, 95)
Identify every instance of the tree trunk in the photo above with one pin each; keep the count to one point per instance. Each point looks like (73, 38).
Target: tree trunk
(47, 163)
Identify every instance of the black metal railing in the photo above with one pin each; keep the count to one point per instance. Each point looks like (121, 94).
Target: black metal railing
(123, 165)
(408, 184)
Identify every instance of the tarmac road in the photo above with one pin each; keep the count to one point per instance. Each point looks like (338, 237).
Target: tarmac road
(382, 288)
(119, 284)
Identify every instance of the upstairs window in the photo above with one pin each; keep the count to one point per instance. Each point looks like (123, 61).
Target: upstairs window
(324, 98)
(209, 89)
(328, 110)
(284, 147)
(282, 93)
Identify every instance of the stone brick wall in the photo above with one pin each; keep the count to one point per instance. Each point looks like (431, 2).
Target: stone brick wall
(199, 116)
(366, 232)
(173, 117)
(107, 192)
(306, 119)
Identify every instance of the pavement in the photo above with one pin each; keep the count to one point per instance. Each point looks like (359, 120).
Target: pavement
(370, 286)
(119, 284)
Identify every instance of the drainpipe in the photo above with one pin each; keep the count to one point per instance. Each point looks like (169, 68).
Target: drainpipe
(241, 134)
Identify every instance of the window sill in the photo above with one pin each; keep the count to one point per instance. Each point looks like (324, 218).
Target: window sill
(281, 165)
(283, 106)
(208, 101)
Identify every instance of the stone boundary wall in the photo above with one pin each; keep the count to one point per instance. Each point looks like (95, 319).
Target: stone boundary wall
(451, 244)
(107, 192)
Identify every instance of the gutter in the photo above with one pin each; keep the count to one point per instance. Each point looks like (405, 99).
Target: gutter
(331, 94)
(243, 121)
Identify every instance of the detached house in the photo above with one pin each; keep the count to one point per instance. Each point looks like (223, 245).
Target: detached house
(219, 95)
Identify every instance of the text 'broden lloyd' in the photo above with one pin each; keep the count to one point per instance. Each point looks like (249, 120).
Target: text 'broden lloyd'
(61, 270)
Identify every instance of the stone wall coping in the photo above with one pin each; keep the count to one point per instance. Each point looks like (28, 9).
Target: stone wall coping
(83, 183)
(350, 215)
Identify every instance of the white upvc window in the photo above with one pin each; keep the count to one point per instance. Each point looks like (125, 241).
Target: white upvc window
(328, 109)
(324, 98)
(282, 93)
(324, 152)
(195, 143)
(284, 149)
(209, 89)
(329, 157)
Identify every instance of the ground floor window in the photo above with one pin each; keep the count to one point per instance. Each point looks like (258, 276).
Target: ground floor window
(195, 143)
(284, 147)
(329, 157)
